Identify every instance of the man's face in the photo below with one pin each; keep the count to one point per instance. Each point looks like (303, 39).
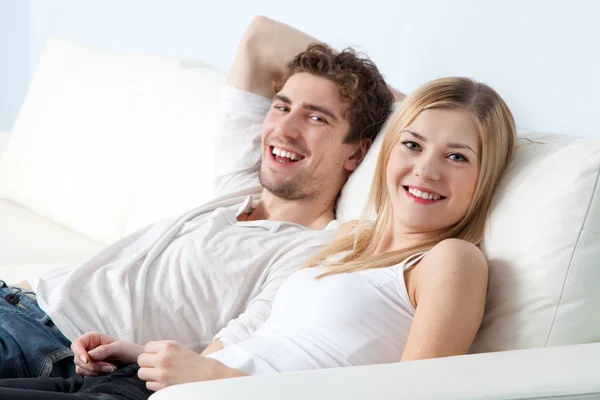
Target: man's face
(302, 135)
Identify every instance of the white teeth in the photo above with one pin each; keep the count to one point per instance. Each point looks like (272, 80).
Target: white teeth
(423, 195)
(287, 154)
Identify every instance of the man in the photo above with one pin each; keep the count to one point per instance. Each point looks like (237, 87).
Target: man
(212, 273)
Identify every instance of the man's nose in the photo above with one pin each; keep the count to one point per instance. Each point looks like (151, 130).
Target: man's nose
(289, 126)
(428, 169)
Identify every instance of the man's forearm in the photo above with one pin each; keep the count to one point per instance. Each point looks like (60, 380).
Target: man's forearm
(280, 44)
(264, 51)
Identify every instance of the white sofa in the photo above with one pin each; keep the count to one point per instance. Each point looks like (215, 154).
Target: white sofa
(107, 142)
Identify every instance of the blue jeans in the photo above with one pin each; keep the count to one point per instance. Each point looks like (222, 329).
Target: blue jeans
(120, 385)
(30, 345)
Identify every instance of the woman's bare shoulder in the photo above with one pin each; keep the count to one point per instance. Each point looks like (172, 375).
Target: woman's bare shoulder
(455, 253)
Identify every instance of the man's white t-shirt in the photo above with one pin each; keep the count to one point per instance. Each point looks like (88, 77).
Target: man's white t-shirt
(197, 277)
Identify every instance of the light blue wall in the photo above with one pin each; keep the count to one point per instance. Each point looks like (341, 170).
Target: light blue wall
(541, 55)
(14, 58)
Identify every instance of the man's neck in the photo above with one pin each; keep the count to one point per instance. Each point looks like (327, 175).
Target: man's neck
(312, 213)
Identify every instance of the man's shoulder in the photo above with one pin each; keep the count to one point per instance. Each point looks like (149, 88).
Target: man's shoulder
(233, 95)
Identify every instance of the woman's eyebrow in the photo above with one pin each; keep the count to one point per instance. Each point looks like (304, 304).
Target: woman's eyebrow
(451, 145)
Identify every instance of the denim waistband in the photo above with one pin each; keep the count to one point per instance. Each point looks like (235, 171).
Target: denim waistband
(16, 290)
(18, 299)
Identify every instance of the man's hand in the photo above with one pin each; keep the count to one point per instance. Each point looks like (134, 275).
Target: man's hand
(167, 363)
(93, 349)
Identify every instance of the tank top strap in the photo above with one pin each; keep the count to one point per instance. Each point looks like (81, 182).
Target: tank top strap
(412, 260)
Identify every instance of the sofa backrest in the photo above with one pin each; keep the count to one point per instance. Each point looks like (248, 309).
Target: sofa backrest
(542, 243)
(108, 142)
(3, 142)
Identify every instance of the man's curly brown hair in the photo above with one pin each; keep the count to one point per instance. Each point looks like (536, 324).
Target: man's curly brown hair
(360, 82)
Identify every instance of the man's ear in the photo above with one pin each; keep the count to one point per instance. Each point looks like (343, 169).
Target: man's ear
(358, 155)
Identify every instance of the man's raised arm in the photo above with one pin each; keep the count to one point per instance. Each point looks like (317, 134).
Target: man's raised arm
(265, 49)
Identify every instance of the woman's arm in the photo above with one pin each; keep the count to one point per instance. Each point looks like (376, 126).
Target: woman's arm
(215, 346)
(449, 288)
(167, 363)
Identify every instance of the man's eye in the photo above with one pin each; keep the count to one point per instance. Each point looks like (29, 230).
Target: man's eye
(281, 108)
(317, 118)
(458, 157)
(411, 145)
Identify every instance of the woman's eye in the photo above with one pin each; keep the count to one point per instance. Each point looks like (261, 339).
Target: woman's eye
(458, 157)
(411, 145)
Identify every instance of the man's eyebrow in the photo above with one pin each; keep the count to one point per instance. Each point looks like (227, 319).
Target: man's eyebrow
(282, 98)
(308, 106)
(451, 145)
(320, 109)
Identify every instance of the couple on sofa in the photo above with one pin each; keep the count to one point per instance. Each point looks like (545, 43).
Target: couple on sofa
(263, 279)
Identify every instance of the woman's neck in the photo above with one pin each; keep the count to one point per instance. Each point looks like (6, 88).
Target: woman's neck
(396, 237)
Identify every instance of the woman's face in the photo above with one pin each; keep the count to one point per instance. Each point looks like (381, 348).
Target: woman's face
(432, 172)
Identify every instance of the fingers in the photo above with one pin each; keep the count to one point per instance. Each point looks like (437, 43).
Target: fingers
(95, 364)
(102, 352)
(157, 346)
(155, 380)
(151, 375)
(146, 360)
(80, 346)
(156, 363)
(94, 368)
(154, 386)
(88, 341)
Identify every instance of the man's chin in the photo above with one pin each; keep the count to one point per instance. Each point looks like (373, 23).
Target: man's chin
(283, 190)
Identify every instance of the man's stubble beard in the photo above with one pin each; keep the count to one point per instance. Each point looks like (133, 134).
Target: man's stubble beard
(299, 187)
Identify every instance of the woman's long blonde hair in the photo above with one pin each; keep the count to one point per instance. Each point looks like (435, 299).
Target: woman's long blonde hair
(498, 136)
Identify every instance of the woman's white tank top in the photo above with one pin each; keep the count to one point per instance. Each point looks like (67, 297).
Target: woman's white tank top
(348, 319)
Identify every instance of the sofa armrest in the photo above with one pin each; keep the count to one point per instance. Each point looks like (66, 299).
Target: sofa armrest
(3, 142)
(556, 372)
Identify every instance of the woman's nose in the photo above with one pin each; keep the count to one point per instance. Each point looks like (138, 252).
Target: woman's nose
(427, 169)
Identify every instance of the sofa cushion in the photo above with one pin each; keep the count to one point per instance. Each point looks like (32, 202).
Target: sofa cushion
(108, 142)
(542, 243)
(543, 246)
(28, 238)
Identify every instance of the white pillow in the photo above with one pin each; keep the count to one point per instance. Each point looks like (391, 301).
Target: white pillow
(355, 194)
(542, 243)
(106, 142)
(543, 246)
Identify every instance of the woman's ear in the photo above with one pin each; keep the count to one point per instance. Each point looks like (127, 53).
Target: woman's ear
(358, 155)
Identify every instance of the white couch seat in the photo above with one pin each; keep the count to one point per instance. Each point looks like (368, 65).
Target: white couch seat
(27, 238)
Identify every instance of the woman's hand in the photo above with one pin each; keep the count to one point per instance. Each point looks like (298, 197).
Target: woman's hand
(167, 363)
(93, 350)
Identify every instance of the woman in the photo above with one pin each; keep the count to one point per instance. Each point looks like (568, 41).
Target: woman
(410, 284)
